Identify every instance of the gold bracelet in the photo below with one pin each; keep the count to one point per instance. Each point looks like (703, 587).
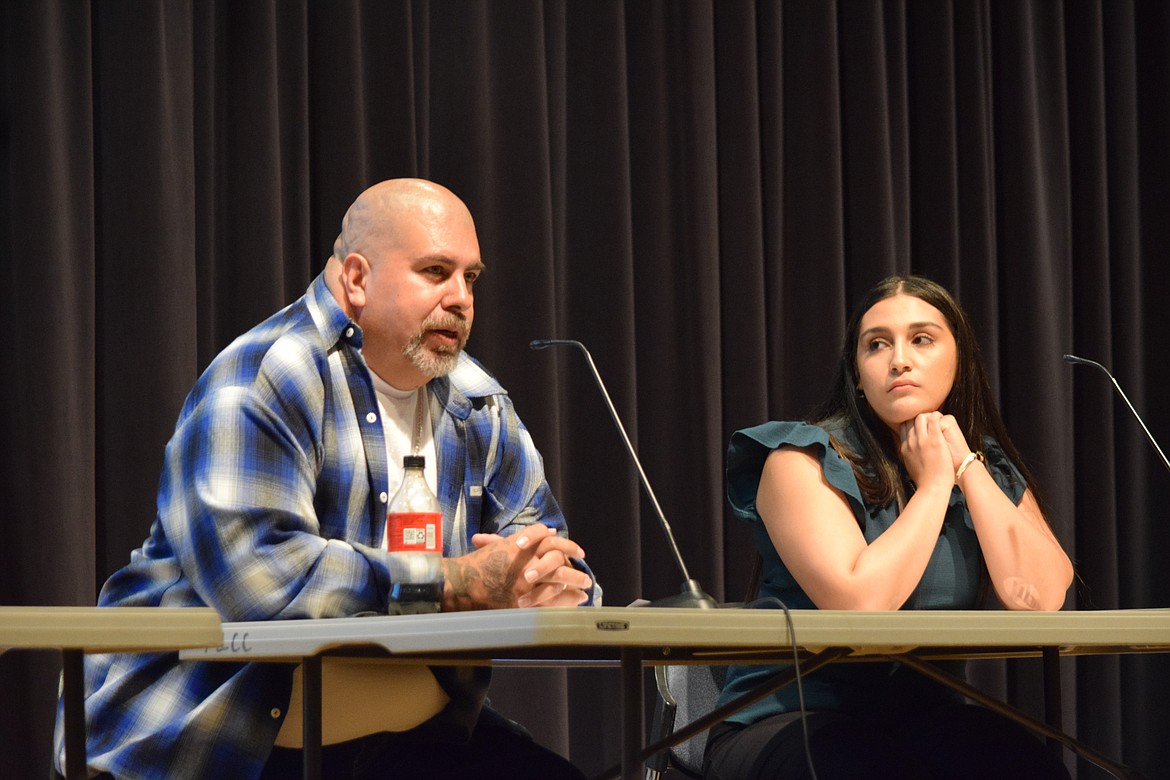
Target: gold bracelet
(977, 455)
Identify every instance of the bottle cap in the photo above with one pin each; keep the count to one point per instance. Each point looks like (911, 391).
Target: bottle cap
(414, 462)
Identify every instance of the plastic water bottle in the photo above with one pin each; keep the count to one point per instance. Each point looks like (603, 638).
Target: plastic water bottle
(414, 537)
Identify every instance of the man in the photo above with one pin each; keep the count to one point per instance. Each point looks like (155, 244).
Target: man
(272, 506)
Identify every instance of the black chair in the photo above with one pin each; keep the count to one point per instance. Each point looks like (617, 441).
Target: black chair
(685, 694)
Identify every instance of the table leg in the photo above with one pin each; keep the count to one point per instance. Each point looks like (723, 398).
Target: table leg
(1053, 714)
(632, 715)
(311, 722)
(73, 670)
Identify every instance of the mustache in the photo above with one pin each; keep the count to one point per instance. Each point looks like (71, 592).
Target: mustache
(450, 321)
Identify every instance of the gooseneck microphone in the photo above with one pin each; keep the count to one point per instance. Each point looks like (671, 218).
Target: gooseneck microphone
(1086, 362)
(692, 595)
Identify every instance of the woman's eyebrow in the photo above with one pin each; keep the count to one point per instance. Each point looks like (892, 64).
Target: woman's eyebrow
(883, 329)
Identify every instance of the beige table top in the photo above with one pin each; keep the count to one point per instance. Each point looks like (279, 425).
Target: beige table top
(699, 634)
(109, 629)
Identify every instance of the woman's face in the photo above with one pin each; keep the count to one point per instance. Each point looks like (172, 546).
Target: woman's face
(906, 358)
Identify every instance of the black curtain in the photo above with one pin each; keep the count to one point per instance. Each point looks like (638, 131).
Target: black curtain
(698, 191)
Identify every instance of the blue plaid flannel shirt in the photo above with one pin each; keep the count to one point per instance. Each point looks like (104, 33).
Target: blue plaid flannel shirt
(272, 506)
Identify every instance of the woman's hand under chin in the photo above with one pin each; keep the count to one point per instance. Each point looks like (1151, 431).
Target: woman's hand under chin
(956, 441)
(925, 452)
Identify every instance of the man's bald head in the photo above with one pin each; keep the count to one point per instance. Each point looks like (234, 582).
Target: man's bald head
(375, 221)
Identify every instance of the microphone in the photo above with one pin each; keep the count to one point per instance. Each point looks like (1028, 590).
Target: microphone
(1085, 362)
(692, 594)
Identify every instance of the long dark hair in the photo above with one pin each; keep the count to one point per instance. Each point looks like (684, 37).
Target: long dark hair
(877, 464)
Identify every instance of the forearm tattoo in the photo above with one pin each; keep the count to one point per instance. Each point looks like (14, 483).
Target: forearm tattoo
(485, 583)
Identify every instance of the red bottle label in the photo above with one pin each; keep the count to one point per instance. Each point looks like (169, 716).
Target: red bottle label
(414, 532)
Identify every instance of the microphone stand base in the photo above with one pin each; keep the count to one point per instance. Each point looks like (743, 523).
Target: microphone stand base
(692, 596)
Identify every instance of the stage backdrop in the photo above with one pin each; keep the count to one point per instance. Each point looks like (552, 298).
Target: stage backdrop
(698, 191)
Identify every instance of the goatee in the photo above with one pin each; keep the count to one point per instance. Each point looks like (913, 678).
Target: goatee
(443, 359)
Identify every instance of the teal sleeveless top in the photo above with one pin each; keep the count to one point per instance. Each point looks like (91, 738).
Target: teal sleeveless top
(952, 579)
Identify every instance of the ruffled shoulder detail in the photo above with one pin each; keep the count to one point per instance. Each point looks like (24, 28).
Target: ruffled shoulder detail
(750, 447)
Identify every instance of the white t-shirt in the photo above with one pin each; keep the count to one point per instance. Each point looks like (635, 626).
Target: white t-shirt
(398, 409)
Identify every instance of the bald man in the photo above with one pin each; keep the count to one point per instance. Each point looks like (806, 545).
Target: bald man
(272, 506)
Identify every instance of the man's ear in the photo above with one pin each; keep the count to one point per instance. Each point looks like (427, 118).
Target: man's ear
(355, 274)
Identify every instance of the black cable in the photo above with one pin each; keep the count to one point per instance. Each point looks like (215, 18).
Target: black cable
(796, 668)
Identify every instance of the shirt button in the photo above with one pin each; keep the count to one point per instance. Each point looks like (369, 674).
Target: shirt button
(371, 418)
(349, 333)
(274, 712)
(384, 497)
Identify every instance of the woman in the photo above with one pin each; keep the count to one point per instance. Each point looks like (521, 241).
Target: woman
(904, 492)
